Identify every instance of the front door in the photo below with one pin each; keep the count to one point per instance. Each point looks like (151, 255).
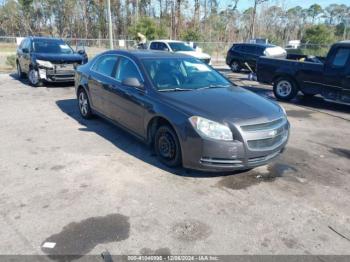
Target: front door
(128, 101)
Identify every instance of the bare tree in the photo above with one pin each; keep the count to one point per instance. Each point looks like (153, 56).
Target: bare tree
(252, 25)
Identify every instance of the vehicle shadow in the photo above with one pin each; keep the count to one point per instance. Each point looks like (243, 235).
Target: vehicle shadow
(126, 142)
(25, 81)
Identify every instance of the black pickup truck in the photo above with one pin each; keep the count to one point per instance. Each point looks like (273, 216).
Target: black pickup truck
(330, 78)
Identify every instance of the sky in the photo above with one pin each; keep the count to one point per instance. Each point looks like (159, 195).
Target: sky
(244, 4)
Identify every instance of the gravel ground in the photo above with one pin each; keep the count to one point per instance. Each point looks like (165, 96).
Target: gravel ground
(89, 186)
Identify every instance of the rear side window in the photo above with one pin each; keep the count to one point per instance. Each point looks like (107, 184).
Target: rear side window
(154, 46)
(251, 49)
(341, 57)
(105, 65)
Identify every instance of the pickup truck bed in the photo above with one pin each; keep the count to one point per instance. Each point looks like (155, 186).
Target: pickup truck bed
(331, 79)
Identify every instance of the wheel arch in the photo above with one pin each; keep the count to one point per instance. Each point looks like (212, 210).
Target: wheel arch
(288, 76)
(155, 122)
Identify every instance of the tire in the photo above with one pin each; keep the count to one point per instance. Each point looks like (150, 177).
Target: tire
(167, 146)
(33, 77)
(20, 74)
(285, 88)
(84, 104)
(235, 67)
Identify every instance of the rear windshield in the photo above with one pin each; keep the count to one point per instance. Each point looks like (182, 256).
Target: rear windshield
(51, 47)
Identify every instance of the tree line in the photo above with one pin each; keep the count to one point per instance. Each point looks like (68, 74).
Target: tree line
(191, 20)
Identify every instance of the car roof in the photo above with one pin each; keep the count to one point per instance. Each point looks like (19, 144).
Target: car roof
(45, 38)
(168, 41)
(256, 44)
(344, 43)
(140, 54)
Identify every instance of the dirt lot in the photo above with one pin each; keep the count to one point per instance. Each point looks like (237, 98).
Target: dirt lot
(88, 186)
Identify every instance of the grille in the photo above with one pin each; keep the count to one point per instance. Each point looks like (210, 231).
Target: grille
(266, 143)
(263, 126)
(267, 135)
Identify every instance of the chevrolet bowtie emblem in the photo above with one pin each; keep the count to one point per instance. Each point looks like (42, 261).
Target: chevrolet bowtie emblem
(273, 133)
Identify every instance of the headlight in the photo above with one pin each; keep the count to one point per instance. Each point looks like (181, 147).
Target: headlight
(44, 63)
(211, 129)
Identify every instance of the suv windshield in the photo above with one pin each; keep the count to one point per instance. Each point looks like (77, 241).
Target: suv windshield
(182, 74)
(178, 46)
(52, 47)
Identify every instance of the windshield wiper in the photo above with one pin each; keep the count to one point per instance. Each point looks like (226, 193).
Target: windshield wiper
(213, 86)
(175, 89)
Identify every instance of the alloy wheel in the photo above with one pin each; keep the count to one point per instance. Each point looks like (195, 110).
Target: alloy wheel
(33, 77)
(83, 104)
(284, 88)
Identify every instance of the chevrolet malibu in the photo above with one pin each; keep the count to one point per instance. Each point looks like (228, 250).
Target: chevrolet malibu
(188, 112)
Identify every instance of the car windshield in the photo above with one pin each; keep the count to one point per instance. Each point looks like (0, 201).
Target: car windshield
(52, 47)
(181, 74)
(178, 46)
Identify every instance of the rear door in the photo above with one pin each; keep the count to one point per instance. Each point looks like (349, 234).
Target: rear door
(99, 82)
(250, 55)
(25, 55)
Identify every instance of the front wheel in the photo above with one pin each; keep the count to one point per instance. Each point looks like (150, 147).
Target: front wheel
(33, 77)
(285, 88)
(235, 67)
(167, 146)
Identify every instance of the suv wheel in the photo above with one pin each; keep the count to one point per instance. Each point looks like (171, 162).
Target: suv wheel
(20, 74)
(285, 88)
(167, 146)
(33, 77)
(84, 104)
(235, 67)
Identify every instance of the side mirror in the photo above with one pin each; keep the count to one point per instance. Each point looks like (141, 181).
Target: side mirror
(81, 52)
(133, 82)
(166, 49)
(25, 50)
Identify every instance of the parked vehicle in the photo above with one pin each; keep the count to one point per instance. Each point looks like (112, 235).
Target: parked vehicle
(179, 47)
(186, 110)
(47, 59)
(239, 55)
(331, 79)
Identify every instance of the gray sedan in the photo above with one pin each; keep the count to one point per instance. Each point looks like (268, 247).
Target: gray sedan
(188, 112)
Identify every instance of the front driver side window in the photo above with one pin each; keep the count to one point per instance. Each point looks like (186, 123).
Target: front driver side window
(105, 65)
(127, 69)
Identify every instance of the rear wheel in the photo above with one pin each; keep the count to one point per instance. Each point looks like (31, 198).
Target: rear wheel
(235, 67)
(33, 77)
(167, 146)
(84, 104)
(20, 74)
(285, 88)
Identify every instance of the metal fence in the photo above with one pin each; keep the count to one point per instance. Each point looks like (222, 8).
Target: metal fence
(217, 50)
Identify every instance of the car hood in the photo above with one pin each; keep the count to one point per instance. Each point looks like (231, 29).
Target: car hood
(195, 54)
(232, 104)
(59, 58)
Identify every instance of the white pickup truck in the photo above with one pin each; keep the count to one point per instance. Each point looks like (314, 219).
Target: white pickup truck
(178, 47)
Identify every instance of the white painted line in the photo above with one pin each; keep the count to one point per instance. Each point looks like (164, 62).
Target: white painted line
(49, 245)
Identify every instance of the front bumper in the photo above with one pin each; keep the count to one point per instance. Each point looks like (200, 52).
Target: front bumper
(219, 156)
(56, 75)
